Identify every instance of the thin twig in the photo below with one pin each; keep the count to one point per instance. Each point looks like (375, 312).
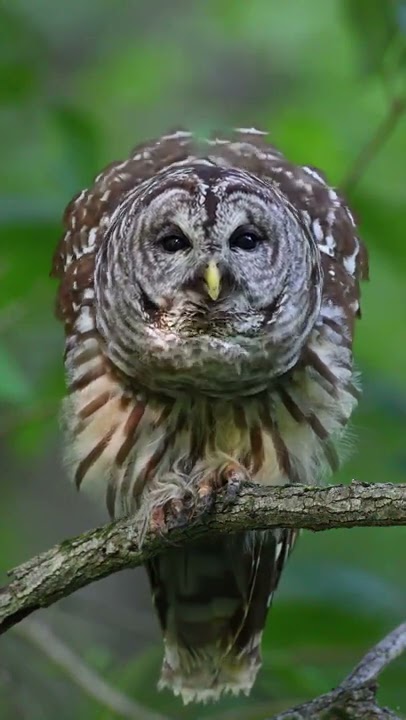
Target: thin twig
(377, 659)
(88, 680)
(355, 696)
(392, 64)
(44, 579)
(376, 142)
(351, 699)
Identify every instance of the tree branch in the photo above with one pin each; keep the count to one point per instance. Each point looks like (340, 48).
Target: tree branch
(392, 67)
(80, 561)
(367, 154)
(354, 698)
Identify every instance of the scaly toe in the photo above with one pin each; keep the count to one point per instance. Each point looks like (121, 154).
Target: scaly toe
(180, 511)
(234, 476)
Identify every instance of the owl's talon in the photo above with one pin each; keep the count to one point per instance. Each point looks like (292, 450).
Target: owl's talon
(172, 514)
(230, 478)
(232, 492)
(157, 522)
(180, 511)
(234, 476)
(205, 503)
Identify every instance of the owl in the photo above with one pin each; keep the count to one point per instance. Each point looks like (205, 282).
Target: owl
(209, 290)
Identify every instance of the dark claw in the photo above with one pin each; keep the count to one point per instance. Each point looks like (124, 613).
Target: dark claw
(205, 503)
(232, 492)
(230, 478)
(234, 479)
(173, 514)
(179, 512)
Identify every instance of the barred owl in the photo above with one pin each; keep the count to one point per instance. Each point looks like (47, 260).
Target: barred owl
(209, 290)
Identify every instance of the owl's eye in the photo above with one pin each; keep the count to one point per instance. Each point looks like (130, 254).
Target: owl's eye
(174, 242)
(244, 239)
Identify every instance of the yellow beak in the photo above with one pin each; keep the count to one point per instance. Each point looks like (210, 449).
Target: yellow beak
(212, 279)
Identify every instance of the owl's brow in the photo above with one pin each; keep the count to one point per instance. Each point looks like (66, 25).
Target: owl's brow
(211, 202)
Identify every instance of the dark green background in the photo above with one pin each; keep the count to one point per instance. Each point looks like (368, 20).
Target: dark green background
(80, 84)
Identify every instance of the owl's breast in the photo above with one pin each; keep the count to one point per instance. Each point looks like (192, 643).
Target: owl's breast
(162, 431)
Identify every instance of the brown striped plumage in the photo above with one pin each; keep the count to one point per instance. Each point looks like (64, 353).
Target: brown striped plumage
(209, 290)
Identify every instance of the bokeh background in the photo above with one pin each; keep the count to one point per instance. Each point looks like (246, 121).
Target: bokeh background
(83, 81)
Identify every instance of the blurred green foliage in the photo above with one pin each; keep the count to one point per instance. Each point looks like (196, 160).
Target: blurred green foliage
(80, 84)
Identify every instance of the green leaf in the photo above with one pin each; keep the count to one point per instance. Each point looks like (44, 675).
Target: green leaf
(14, 387)
(22, 54)
(80, 138)
(29, 209)
(26, 250)
(375, 23)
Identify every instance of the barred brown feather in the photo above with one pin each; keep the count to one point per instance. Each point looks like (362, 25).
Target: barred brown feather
(174, 393)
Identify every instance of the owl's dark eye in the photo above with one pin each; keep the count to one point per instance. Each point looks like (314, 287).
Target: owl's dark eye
(174, 242)
(244, 239)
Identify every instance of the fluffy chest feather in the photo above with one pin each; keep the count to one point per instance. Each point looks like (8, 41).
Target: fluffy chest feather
(130, 445)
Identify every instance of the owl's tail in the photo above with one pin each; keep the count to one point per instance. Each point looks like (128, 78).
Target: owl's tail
(212, 599)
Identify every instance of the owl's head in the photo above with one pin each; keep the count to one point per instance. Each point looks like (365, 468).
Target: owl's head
(208, 278)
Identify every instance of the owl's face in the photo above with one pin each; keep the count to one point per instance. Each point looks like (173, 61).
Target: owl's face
(214, 275)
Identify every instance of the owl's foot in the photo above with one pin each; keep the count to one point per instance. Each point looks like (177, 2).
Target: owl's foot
(173, 513)
(187, 508)
(228, 478)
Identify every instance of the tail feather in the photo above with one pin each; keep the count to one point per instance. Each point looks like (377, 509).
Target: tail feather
(212, 599)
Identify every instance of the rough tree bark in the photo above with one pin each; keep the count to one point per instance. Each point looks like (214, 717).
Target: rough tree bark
(95, 554)
(80, 561)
